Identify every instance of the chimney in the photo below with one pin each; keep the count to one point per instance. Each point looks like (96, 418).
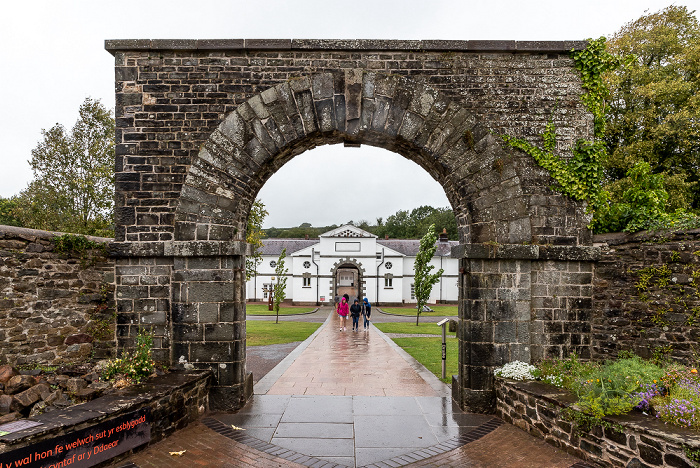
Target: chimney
(443, 235)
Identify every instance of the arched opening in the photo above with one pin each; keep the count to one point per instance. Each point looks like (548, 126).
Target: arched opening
(501, 199)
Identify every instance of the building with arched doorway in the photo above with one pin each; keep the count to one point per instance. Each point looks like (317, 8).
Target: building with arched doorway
(349, 260)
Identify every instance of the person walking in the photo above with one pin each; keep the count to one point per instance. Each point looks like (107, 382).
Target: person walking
(366, 312)
(342, 311)
(355, 311)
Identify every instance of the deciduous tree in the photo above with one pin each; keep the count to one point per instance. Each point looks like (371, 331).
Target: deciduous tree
(423, 279)
(653, 112)
(73, 186)
(280, 285)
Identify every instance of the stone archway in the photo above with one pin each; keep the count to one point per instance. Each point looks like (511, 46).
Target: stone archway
(491, 201)
(525, 268)
(360, 288)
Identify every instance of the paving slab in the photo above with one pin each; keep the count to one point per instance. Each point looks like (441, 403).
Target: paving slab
(353, 399)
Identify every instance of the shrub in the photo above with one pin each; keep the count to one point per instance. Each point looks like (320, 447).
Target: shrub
(611, 389)
(516, 370)
(134, 366)
(568, 373)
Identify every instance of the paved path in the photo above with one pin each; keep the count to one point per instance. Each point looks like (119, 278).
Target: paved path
(350, 363)
(351, 399)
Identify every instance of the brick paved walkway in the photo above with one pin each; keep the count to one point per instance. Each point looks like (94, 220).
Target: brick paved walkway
(351, 399)
(350, 363)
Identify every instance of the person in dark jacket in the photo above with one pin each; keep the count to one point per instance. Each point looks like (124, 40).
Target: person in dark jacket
(366, 311)
(355, 311)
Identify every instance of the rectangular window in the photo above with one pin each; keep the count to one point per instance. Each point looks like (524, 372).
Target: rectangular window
(307, 282)
(413, 290)
(388, 281)
(347, 246)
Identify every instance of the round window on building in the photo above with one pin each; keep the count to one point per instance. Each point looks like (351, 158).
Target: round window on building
(388, 265)
(307, 264)
(273, 264)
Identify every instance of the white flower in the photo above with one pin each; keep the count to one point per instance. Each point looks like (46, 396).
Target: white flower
(516, 370)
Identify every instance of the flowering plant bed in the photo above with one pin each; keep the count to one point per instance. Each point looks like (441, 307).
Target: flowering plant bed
(669, 391)
(632, 439)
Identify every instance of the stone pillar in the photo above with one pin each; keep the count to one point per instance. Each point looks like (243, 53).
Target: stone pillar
(518, 302)
(202, 319)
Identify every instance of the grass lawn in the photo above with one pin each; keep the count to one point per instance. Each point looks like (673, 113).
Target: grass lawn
(261, 309)
(263, 332)
(423, 328)
(428, 351)
(440, 311)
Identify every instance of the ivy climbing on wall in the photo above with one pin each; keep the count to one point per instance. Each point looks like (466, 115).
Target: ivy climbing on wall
(580, 176)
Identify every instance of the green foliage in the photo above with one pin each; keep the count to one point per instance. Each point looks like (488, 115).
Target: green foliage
(601, 389)
(278, 288)
(8, 207)
(565, 373)
(401, 225)
(585, 422)
(692, 454)
(609, 389)
(580, 176)
(136, 365)
(263, 309)
(254, 235)
(412, 225)
(438, 311)
(428, 351)
(409, 328)
(263, 332)
(423, 279)
(73, 186)
(643, 206)
(654, 104)
(88, 251)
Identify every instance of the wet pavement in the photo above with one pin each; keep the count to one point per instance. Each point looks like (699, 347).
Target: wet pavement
(354, 399)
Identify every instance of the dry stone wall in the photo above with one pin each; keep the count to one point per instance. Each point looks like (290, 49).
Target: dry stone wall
(54, 308)
(646, 295)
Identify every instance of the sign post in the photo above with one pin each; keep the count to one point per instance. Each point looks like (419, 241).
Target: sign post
(443, 323)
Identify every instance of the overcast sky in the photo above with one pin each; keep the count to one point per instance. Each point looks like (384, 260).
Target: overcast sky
(52, 57)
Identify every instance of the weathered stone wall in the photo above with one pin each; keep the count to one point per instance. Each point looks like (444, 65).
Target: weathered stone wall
(536, 408)
(53, 305)
(174, 400)
(202, 125)
(520, 302)
(646, 295)
(172, 95)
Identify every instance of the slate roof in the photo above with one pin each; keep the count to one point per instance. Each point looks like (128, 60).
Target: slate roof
(275, 246)
(408, 247)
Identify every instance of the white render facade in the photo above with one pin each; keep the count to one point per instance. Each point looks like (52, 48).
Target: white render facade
(353, 261)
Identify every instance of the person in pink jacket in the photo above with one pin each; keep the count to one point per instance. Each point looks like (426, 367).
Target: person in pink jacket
(342, 309)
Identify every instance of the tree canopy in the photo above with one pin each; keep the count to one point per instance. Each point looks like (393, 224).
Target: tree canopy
(401, 225)
(73, 185)
(653, 111)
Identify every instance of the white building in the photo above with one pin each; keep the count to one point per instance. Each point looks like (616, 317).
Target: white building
(353, 261)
